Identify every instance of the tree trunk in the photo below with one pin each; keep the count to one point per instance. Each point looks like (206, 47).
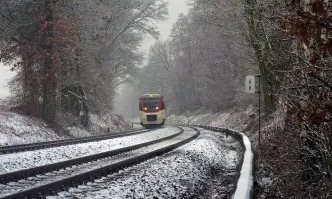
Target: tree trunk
(30, 88)
(50, 77)
(49, 99)
(266, 89)
(258, 40)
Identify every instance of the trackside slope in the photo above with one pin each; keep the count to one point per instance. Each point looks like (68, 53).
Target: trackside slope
(21, 129)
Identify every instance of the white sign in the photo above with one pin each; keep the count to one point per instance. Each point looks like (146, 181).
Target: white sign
(252, 84)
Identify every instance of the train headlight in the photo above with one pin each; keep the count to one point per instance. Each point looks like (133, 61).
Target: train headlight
(145, 108)
(157, 108)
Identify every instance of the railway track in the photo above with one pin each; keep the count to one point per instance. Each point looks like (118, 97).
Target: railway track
(44, 145)
(48, 179)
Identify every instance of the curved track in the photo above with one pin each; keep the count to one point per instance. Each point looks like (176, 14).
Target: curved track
(44, 145)
(22, 174)
(77, 171)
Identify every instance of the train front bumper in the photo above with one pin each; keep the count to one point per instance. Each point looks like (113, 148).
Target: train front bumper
(157, 118)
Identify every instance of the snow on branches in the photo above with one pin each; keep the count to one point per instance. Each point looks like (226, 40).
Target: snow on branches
(311, 23)
(39, 34)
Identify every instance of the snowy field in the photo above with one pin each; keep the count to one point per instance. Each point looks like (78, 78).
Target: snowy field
(203, 168)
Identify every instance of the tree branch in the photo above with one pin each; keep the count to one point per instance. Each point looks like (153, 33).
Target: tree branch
(321, 80)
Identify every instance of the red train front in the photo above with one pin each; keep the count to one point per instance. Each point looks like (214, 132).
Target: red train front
(152, 110)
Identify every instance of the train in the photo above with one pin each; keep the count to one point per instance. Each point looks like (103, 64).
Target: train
(152, 110)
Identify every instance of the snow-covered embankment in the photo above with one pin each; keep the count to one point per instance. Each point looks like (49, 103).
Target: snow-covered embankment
(245, 182)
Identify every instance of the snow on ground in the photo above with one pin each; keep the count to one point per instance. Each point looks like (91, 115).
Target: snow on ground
(204, 168)
(235, 119)
(15, 128)
(101, 124)
(232, 119)
(18, 129)
(21, 129)
(108, 122)
(29, 159)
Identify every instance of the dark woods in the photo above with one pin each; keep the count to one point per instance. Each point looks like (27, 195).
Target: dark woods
(300, 154)
(37, 35)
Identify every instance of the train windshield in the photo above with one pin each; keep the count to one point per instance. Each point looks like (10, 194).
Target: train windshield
(151, 102)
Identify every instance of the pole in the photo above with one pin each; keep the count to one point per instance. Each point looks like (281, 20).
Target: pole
(259, 118)
(259, 111)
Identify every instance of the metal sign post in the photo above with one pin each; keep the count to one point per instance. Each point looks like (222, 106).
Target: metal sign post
(253, 85)
(259, 109)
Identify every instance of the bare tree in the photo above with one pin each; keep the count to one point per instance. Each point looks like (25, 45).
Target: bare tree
(207, 52)
(113, 33)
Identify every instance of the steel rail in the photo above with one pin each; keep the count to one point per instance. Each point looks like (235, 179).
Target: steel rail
(56, 143)
(25, 173)
(72, 181)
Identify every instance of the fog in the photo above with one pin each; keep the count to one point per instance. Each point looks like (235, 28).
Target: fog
(126, 102)
(5, 75)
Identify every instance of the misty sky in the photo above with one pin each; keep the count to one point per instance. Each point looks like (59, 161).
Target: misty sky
(175, 7)
(126, 102)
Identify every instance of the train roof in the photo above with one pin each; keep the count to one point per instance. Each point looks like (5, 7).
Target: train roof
(154, 95)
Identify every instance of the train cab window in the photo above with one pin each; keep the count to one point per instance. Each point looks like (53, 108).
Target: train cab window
(151, 102)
